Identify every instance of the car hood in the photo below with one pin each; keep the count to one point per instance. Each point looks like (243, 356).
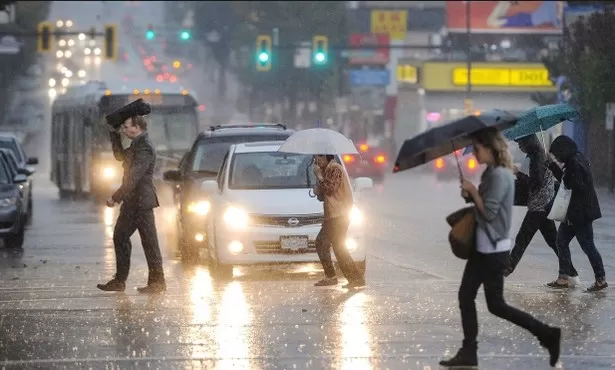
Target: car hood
(275, 202)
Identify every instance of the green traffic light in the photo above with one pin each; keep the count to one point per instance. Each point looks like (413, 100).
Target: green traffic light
(263, 57)
(150, 35)
(184, 35)
(320, 57)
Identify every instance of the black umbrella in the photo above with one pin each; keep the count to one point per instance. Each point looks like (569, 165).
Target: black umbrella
(448, 138)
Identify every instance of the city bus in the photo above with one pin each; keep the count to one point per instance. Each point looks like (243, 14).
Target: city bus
(82, 161)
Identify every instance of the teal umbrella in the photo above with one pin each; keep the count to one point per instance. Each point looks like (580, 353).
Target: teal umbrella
(537, 120)
(540, 119)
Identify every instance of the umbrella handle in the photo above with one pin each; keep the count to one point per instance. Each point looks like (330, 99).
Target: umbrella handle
(458, 164)
(542, 136)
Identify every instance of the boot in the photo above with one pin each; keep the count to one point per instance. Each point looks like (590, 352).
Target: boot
(551, 341)
(155, 284)
(466, 357)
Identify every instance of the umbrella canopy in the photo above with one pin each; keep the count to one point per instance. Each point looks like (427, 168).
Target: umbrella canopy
(540, 119)
(318, 141)
(445, 139)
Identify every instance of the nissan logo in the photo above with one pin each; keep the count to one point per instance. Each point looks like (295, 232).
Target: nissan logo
(293, 221)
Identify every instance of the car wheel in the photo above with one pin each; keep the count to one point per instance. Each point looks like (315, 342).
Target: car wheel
(15, 241)
(217, 269)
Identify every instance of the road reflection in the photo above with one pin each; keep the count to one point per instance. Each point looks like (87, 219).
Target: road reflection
(201, 291)
(356, 349)
(234, 318)
(109, 215)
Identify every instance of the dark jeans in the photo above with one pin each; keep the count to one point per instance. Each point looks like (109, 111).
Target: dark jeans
(585, 237)
(533, 222)
(488, 270)
(333, 234)
(127, 223)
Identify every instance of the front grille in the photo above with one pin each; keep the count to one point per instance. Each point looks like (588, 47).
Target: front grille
(273, 247)
(288, 220)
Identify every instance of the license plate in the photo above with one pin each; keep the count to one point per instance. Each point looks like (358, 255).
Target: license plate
(294, 243)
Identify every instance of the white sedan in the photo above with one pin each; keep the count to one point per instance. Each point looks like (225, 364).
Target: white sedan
(262, 210)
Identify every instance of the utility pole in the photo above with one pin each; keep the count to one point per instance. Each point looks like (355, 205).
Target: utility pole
(468, 100)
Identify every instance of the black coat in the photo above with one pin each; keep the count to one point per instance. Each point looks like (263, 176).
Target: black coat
(584, 206)
(139, 159)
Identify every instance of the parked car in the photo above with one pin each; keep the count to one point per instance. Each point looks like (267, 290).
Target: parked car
(262, 210)
(12, 206)
(10, 141)
(26, 187)
(201, 163)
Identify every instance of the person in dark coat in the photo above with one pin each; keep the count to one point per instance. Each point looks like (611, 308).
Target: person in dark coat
(583, 210)
(138, 197)
(540, 186)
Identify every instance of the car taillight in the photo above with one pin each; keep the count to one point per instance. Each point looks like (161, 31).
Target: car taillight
(364, 147)
(439, 163)
(472, 163)
(348, 159)
(380, 159)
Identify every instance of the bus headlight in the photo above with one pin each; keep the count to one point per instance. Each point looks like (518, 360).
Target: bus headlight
(108, 173)
(199, 208)
(236, 218)
(356, 216)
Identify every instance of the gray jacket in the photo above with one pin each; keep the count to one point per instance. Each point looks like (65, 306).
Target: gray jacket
(497, 190)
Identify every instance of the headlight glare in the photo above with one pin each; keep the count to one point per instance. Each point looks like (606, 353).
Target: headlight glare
(356, 216)
(108, 172)
(199, 208)
(236, 218)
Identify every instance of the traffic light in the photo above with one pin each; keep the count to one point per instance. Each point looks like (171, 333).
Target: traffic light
(320, 50)
(263, 53)
(185, 35)
(45, 31)
(110, 42)
(149, 34)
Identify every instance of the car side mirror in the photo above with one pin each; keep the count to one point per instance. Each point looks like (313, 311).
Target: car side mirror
(209, 186)
(363, 183)
(172, 175)
(32, 161)
(25, 171)
(20, 178)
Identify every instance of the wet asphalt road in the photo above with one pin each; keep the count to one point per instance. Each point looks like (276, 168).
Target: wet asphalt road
(52, 315)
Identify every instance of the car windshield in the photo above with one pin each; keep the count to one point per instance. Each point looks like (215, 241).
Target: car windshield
(271, 170)
(210, 152)
(12, 146)
(4, 173)
(12, 161)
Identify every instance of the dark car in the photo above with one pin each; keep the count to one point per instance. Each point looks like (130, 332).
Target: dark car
(371, 162)
(201, 163)
(26, 187)
(12, 206)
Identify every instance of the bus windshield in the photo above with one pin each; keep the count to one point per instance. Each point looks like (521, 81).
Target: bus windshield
(172, 129)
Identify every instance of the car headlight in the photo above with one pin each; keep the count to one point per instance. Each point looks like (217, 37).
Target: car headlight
(356, 216)
(6, 202)
(236, 218)
(108, 172)
(200, 208)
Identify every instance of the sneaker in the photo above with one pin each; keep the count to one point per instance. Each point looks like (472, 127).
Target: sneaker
(551, 341)
(326, 281)
(596, 287)
(557, 284)
(112, 285)
(465, 358)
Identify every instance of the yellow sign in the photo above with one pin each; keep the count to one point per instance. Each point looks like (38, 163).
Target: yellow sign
(502, 77)
(407, 73)
(391, 22)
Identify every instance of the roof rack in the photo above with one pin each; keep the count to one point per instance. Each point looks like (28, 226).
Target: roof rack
(264, 125)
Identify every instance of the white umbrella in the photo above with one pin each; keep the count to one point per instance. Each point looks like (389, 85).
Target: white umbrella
(318, 141)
